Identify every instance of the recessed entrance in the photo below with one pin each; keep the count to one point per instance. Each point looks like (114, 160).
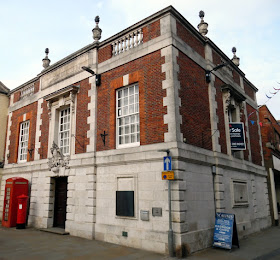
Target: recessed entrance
(60, 202)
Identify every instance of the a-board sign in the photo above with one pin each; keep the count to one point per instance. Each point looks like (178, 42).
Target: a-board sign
(168, 175)
(225, 232)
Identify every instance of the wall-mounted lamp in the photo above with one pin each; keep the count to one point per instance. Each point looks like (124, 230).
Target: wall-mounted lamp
(97, 76)
(8, 155)
(208, 72)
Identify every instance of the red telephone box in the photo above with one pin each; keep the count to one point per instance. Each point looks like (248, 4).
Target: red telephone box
(15, 187)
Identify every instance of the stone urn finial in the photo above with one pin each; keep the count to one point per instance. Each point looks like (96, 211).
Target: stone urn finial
(235, 59)
(46, 60)
(202, 26)
(96, 31)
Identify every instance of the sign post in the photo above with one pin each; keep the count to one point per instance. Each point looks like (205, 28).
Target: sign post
(168, 175)
(225, 232)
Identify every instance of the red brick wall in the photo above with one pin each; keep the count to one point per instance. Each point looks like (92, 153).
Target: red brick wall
(16, 96)
(249, 91)
(221, 115)
(36, 86)
(151, 31)
(269, 128)
(196, 127)
(236, 77)
(81, 117)
(43, 151)
(17, 118)
(105, 53)
(216, 58)
(147, 72)
(190, 39)
(254, 136)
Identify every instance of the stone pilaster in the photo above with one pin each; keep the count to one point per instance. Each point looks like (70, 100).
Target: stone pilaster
(172, 100)
(219, 190)
(38, 131)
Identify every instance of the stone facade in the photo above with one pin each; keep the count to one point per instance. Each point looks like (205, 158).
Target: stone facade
(165, 59)
(4, 104)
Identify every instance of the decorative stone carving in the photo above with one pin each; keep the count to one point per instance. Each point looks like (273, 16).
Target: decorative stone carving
(202, 26)
(241, 109)
(58, 159)
(49, 105)
(235, 59)
(227, 99)
(46, 60)
(72, 98)
(96, 31)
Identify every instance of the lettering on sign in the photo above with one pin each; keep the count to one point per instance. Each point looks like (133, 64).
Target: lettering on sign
(168, 175)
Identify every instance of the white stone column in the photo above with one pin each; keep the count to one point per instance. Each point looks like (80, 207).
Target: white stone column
(38, 130)
(92, 106)
(219, 189)
(273, 195)
(213, 106)
(7, 153)
(172, 100)
(247, 133)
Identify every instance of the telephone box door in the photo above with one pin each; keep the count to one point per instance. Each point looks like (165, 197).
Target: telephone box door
(15, 187)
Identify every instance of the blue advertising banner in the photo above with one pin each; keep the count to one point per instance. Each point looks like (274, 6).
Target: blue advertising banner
(225, 232)
(237, 137)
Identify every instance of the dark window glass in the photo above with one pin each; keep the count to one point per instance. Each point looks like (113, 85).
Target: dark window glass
(125, 203)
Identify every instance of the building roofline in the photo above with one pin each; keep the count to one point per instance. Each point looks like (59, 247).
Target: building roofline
(170, 9)
(24, 84)
(4, 89)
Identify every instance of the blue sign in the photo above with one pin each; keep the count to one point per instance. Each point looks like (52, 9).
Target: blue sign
(167, 163)
(237, 137)
(225, 229)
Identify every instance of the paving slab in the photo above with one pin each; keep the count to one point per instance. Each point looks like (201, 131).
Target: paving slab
(34, 244)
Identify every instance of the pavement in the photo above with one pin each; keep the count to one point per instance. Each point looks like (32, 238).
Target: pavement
(34, 244)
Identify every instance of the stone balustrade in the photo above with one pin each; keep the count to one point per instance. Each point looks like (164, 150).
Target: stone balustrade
(27, 91)
(127, 42)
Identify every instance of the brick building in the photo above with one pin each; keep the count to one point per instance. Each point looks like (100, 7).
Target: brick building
(92, 145)
(270, 130)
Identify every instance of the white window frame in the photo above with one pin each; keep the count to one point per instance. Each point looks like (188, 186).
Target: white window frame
(244, 202)
(128, 116)
(127, 182)
(64, 130)
(23, 141)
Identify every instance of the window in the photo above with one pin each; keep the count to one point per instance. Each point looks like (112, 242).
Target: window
(125, 203)
(64, 130)
(128, 130)
(23, 141)
(125, 196)
(240, 193)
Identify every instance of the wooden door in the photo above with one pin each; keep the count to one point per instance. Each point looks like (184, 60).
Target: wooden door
(60, 202)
